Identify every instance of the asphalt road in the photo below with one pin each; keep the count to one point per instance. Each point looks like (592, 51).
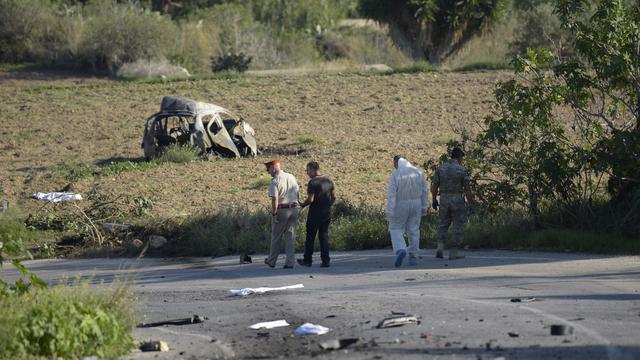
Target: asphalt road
(464, 306)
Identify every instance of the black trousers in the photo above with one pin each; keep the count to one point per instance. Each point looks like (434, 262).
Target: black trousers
(321, 227)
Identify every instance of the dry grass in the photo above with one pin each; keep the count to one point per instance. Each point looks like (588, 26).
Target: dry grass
(357, 123)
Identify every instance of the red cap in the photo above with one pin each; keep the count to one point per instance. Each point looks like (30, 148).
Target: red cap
(272, 162)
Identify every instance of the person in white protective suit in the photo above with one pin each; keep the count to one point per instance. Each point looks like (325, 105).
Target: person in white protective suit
(406, 204)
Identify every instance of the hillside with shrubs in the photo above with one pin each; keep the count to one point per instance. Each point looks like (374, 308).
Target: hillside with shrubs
(178, 38)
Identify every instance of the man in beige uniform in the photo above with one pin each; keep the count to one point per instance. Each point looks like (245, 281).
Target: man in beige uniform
(283, 191)
(452, 179)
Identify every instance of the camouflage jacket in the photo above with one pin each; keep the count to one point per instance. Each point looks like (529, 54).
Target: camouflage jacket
(451, 178)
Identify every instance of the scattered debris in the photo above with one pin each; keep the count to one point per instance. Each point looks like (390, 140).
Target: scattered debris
(115, 227)
(195, 319)
(513, 334)
(269, 324)
(337, 344)
(310, 329)
(137, 243)
(245, 259)
(426, 336)
(558, 330)
(57, 197)
(260, 290)
(157, 241)
(527, 299)
(262, 334)
(154, 346)
(397, 321)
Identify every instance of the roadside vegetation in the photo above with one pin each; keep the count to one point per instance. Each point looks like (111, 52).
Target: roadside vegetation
(69, 321)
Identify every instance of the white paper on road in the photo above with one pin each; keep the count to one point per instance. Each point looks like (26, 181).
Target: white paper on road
(260, 290)
(310, 329)
(57, 196)
(269, 324)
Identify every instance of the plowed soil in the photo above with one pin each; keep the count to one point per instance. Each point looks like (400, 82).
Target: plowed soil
(351, 123)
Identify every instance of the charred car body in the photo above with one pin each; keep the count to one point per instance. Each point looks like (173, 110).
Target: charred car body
(210, 128)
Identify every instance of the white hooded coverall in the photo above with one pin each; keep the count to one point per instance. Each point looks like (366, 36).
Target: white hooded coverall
(406, 201)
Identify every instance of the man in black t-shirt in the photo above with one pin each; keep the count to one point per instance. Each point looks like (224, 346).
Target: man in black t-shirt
(320, 197)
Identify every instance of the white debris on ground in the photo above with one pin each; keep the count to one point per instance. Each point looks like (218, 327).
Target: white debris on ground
(269, 324)
(57, 196)
(261, 290)
(311, 329)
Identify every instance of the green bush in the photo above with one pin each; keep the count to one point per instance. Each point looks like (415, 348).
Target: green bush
(122, 33)
(485, 65)
(371, 45)
(178, 154)
(196, 41)
(23, 24)
(540, 27)
(234, 230)
(14, 236)
(417, 67)
(67, 322)
(285, 16)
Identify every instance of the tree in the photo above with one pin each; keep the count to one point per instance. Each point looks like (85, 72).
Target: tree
(603, 86)
(433, 29)
(555, 134)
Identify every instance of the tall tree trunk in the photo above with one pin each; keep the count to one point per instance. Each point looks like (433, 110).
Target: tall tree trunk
(533, 205)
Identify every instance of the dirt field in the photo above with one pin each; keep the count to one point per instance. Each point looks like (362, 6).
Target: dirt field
(351, 123)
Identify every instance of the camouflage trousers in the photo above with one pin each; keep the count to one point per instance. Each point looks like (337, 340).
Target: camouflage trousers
(452, 211)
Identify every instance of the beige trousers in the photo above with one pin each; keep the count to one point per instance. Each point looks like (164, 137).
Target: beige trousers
(283, 227)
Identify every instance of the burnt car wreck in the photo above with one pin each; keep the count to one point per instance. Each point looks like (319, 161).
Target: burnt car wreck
(211, 128)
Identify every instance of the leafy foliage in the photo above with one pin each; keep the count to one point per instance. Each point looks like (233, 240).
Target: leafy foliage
(540, 28)
(530, 150)
(13, 235)
(176, 153)
(68, 322)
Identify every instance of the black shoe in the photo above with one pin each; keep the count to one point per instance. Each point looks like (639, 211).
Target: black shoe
(324, 264)
(301, 262)
(287, 267)
(267, 262)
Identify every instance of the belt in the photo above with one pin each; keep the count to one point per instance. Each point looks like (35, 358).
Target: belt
(287, 206)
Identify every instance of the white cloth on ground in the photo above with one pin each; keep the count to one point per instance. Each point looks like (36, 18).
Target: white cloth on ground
(407, 199)
(57, 196)
(260, 290)
(269, 324)
(310, 329)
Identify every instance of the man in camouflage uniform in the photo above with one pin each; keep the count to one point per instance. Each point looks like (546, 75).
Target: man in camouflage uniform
(452, 180)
